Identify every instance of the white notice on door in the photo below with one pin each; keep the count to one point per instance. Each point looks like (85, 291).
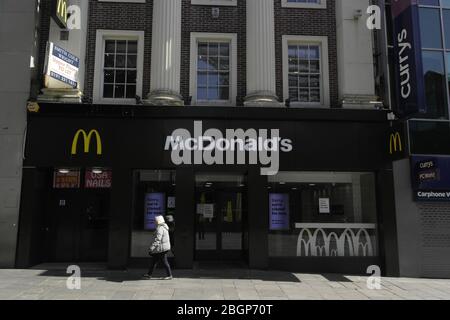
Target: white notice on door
(324, 205)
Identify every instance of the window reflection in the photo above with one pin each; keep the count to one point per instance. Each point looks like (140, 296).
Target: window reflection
(322, 214)
(154, 195)
(435, 92)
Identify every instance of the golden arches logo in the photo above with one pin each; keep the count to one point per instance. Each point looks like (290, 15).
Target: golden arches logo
(61, 10)
(395, 143)
(87, 141)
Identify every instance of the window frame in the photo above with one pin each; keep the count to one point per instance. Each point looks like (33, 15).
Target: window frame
(322, 42)
(102, 36)
(223, 3)
(445, 50)
(221, 37)
(304, 5)
(126, 1)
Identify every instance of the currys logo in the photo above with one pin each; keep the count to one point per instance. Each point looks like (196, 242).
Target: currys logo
(408, 57)
(237, 146)
(403, 61)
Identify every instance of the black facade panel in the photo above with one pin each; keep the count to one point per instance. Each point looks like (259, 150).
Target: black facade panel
(258, 223)
(184, 240)
(120, 219)
(322, 140)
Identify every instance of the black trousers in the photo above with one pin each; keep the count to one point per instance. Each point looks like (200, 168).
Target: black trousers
(158, 257)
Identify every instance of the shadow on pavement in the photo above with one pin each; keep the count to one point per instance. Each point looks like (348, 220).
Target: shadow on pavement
(199, 272)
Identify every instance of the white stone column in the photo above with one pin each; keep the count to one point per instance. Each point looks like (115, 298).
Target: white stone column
(261, 54)
(355, 55)
(166, 54)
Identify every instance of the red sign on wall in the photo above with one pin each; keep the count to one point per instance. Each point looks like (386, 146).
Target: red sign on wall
(95, 180)
(69, 180)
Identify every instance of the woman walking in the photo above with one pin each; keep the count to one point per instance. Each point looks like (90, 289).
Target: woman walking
(159, 248)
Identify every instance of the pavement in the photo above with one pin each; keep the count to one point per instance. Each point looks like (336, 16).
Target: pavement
(49, 282)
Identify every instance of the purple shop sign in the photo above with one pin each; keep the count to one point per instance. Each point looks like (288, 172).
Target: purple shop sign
(155, 205)
(279, 211)
(409, 78)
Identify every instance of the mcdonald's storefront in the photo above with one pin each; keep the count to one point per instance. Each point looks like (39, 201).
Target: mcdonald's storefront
(321, 200)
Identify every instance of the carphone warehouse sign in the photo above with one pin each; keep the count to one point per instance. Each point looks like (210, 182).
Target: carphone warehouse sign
(431, 178)
(408, 58)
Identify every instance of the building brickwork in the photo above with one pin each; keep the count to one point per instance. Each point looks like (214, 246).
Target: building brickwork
(44, 29)
(199, 18)
(307, 22)
(118, 16)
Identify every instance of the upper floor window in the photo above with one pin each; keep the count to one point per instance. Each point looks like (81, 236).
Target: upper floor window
(308, 4)
(118, 66)
(136, 1)
(213, 69)
(120, 69)
(304, 73)
(434, 21)
(305, 67)
(214, 2)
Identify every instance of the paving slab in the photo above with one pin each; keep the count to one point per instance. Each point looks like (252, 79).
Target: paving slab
(48, 282)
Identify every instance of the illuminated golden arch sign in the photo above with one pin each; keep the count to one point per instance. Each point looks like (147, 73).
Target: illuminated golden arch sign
(87, 137)
(395, 143)
(60, 12)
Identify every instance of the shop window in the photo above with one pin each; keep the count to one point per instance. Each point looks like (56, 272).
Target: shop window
(154, 195)
(322, 214)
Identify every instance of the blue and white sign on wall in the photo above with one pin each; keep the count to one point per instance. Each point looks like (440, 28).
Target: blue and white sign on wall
(61, 65)
(155, 205)
(279, 211)
(431, 178)
(408, 58)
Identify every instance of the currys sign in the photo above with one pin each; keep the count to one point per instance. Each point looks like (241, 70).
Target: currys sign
(408, 58)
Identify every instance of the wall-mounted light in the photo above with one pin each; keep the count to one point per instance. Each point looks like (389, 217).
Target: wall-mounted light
(358, 14)
(215, 12)
(63, 171)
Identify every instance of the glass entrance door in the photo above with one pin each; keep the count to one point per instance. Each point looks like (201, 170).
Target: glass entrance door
(221, 218)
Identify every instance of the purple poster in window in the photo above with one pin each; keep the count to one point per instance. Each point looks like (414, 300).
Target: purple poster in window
(279, 211)
(155, 205)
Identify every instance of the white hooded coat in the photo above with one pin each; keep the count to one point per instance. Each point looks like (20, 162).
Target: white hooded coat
(161, 241)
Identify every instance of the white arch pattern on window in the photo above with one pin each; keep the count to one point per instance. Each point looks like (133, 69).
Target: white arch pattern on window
(355, 238)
